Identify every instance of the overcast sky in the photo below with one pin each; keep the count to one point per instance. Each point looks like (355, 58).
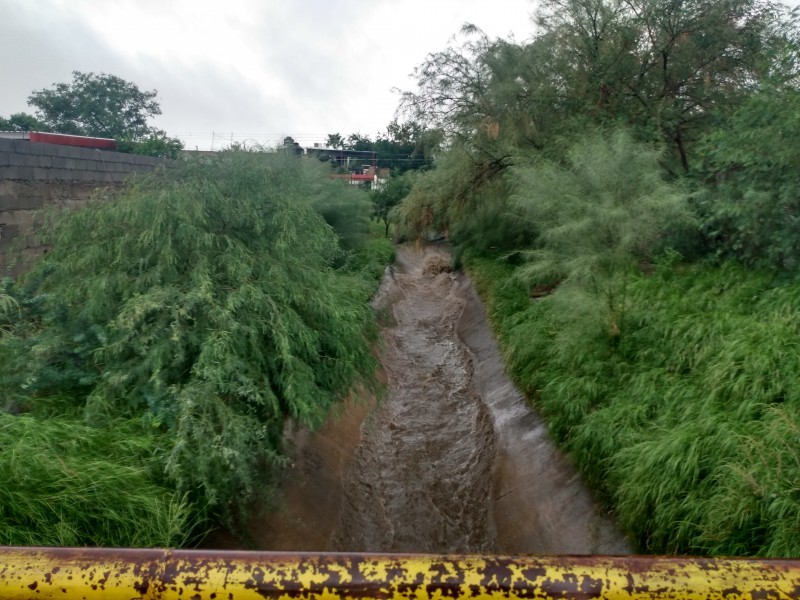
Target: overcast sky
(257, 69)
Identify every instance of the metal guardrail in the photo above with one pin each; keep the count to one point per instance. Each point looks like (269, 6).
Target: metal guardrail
(87, 573)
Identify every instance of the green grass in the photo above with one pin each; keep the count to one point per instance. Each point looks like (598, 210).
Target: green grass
(687, 423)
(65, 484)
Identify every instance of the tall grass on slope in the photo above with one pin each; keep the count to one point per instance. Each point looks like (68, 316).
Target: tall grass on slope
(65, 484)
(688, 422)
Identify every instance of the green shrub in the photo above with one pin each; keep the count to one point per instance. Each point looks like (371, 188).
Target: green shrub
(370, 262)
(203, 303)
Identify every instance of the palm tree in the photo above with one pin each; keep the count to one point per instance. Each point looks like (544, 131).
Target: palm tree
(335, 140)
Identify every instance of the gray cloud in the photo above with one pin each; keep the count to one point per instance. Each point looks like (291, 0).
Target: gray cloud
(302, 68)
(39, 47)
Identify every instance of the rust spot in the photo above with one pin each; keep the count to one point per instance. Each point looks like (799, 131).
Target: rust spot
(444, 590)
(591, 588)
(630, 587)
(141, 587)
(730, 592)
(33, 585)
(497, 574)
(532, 574)
(193, 582)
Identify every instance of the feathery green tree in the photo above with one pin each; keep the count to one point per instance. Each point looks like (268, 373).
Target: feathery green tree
(204, 303)
(597, 218)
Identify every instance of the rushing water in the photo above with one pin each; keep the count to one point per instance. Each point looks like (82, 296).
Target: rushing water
(422, 475)
(451, 459)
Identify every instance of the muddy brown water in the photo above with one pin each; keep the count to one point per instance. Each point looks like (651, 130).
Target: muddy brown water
(450, 459)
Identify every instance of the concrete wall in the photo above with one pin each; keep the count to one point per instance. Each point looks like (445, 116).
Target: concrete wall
(34, 175)
(30, 161)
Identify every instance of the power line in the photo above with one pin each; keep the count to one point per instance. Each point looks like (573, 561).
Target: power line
(217, 140)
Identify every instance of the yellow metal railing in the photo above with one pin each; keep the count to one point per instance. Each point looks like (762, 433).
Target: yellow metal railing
(86, 573)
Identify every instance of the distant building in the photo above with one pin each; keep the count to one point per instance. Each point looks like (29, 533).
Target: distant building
(361, 165)
(61, 139)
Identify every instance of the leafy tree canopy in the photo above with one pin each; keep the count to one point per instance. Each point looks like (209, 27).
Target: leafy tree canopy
(714, 83)
(99, 105)
(750, 197)
(21, 122)
(666, 69)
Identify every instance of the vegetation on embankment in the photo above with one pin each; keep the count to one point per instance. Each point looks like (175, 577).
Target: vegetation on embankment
(687, 421)
(149, 361)
(623, 189)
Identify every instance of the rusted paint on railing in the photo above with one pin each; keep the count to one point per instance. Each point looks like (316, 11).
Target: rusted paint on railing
(72, 573)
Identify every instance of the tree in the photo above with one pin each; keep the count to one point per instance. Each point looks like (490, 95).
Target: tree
(750, 203)
(21, 122)
(204, 303)
(406, 146)
(335, 140)
(598, 215)
(667, 68)
(357, 141)
(696, 58)
(452, 86)
(403, 147)
(389, 196)
(99, 105)
(157, 143)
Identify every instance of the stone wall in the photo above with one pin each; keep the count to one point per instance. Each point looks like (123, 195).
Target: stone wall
(34, 175)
